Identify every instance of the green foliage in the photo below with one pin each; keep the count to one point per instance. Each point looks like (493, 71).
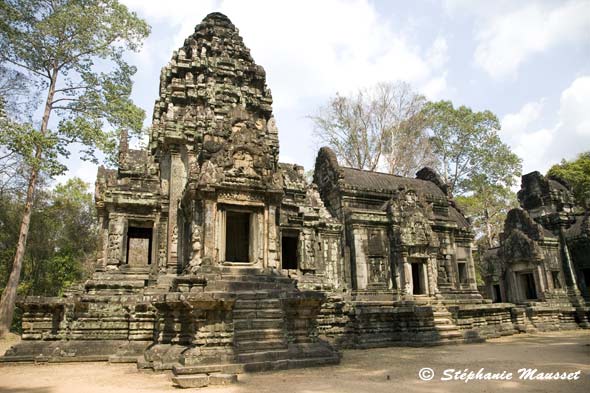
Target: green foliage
(477, 165)
(469, 149)
(17, 97)
(61, 45)
(487, 207)
(577, 173)
(62, 241)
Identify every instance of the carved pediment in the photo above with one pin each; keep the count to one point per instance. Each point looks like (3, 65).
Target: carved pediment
(411, 219)
(518, 247)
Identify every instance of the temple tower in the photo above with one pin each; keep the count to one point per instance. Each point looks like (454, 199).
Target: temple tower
(217, 145)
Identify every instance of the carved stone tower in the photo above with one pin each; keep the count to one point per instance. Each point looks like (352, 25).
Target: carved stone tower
(217, 144)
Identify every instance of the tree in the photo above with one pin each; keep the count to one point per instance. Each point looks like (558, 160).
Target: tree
(62, 243)
(16, 101)
(64, 239)
(475, 163)
(488, 205)
(60, 45)
(467, 145)
(577, 173)
(377, 127)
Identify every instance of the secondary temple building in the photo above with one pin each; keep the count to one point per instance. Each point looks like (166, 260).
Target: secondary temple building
(216, 259)
(544, 253)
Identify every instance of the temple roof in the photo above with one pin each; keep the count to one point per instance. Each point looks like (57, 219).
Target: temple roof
(580, 228)
(378, 181)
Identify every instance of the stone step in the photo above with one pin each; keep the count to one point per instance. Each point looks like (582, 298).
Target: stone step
(450, 334)
(446, 328)
(202, 380)
(256, 295)
(249, 324)
(225, 368)
(123, 359)
(120, 277)
(263, 356)
(257, 304)
(290, 363)
(258, 314)
(237, 270)
(259, 334)
(442, 321)
(258, 278)
(260, 345)
(273, 360)
(248, 286)
(445, 314)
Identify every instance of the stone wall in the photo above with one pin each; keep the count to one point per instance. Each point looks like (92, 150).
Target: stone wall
(362, 324)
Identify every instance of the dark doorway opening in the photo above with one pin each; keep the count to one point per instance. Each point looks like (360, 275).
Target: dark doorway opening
(497, 294)
(556, 280)
(528, 283)
(418, 279)
(289, 244)
(586, 274)
(237, 237)
(462, 269)
(139, 246)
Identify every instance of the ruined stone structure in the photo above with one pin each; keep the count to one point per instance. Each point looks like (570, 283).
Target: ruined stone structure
(543, 260)
(217, 259)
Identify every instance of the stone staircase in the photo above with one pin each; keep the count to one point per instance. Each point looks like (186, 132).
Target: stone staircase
(129, 280)
(258, 326)
(445, 328)
(263, 336)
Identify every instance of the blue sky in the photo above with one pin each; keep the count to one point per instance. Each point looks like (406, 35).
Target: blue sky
(526, 61)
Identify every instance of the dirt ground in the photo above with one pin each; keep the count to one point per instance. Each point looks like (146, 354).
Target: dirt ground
(375, 370)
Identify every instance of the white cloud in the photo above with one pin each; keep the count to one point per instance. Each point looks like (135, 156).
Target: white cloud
(515, 123)
(310, 50)
(437, 54)
(541, 148)
(435, 88)
(574, 111)
(510, 33)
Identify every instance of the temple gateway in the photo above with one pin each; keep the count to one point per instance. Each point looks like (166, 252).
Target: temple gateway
(215, 259)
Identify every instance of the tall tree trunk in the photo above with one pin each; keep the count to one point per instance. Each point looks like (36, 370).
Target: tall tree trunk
(8, 301)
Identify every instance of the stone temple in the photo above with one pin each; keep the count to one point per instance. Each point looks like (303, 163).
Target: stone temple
(216, 259)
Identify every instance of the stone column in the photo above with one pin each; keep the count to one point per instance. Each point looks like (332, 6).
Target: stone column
(176, 186)
(116, 239)
(541, 279)
(433, 279)
(406, 278)
(360, 258)
(452, 278)
(471, 269)
(103, 255)
(211, 234)
(273, 258)
(512, 288)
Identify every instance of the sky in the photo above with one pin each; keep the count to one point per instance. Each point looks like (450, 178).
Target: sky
(526, 61)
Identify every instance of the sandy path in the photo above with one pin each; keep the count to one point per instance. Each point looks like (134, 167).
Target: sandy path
(376, 370)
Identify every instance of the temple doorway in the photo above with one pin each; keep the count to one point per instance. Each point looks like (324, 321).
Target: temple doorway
(139, 246)
(419, 284)
(237, 237)
(289, 245)
(527, 282)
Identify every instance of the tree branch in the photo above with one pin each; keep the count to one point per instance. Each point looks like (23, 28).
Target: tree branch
(72, 88)
(26, 67)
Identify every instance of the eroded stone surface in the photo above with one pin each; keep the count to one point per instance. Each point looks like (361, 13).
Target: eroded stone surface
(216, 259)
